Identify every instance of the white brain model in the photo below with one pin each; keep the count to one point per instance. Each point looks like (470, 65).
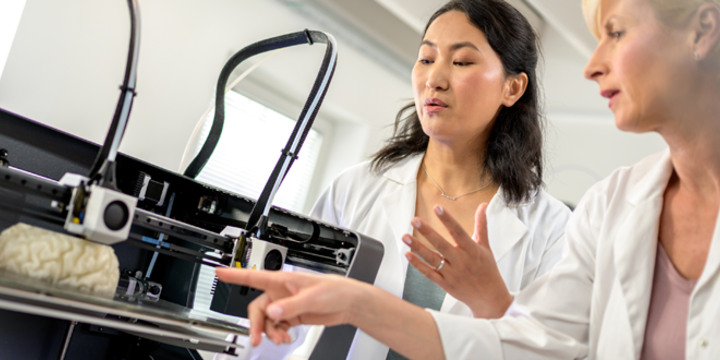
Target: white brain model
(59, 259)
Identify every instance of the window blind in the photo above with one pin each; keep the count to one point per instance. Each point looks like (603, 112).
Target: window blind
(250, 145)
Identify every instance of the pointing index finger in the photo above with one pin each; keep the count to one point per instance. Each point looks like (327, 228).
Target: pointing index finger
(252, 278)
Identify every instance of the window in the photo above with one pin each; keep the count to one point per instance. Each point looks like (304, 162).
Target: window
(253, 136)
(10, 12)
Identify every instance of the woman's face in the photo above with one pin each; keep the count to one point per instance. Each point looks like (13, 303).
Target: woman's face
(641, 66)
(459, 82)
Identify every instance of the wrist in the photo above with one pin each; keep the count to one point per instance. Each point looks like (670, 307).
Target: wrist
(494, 308)
(361, 300)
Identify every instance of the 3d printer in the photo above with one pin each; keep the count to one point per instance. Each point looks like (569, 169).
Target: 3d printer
(162, 226)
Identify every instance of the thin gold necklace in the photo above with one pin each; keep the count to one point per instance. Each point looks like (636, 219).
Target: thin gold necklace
(453, 198)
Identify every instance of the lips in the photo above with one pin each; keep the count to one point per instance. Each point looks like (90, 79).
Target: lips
(610, 94)
(434, 102)
(434, 105)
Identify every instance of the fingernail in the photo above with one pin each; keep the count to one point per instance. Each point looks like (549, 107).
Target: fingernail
(416, 223)
(406, 239)
(439, 210)
(274, 311)
(407, 255)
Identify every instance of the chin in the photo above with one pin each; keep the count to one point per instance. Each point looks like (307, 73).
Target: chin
(433, 128)
(437, 134)
(631, 124)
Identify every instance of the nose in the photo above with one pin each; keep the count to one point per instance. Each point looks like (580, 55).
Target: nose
(437, 77)
(597, 65)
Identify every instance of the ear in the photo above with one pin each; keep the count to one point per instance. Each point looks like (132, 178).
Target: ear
(515, 86)
(706, 29)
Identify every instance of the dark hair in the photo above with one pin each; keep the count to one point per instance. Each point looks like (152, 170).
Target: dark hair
(513, 156)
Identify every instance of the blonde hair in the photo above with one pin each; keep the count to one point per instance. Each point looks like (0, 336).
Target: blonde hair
(591, 11)
(670, 12)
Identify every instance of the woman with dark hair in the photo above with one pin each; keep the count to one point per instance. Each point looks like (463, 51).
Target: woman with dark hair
(640, 276)
(472, 135)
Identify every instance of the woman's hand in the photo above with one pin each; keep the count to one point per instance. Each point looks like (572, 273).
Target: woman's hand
(469, 272)
(292, 299)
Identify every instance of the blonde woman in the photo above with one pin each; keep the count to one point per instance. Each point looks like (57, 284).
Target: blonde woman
(641, 274)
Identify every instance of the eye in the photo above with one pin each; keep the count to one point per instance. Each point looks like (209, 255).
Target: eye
(616, 34)
(425, 61)
(462, 63)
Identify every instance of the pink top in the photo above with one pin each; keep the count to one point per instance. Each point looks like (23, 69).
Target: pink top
(666, 326)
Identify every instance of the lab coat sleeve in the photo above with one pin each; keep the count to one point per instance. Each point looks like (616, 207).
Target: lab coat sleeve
(549, 319)
(267, 350)
(556, 220)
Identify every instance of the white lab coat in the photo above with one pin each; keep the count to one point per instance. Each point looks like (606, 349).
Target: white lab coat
(525, 239)
(594, 303)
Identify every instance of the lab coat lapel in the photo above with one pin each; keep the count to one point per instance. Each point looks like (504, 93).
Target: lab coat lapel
(712, 264)
(399, 209)
(636, 245)
(399, 205)
(504, 227)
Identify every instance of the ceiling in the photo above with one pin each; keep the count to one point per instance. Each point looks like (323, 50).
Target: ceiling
(564, 15)
(415, 13)
(389, 30)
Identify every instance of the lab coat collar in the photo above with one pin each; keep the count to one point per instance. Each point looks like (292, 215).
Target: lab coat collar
(405, 171)
(650, 191)
(712, 264)
(505, 228)
(636, 244)
(651, 176)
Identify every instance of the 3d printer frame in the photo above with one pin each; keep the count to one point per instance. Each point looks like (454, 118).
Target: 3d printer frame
(167, 223)
(34, 160)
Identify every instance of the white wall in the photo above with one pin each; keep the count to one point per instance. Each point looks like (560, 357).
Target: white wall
(68, 58)
(584, 148)
(10, 12)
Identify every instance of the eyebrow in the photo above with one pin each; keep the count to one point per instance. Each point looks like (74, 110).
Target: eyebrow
(609, 21)
(453, 47)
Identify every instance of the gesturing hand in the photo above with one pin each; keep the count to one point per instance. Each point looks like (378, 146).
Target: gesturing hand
(292, 299)
(468, 272)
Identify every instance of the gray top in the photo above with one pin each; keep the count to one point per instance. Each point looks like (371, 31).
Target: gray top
(422, 292)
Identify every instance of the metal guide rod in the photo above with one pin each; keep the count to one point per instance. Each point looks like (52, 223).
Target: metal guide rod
(181, 230)
(69, 314)
(68, 337)
(22, 300)
(160, 239)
